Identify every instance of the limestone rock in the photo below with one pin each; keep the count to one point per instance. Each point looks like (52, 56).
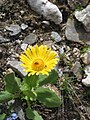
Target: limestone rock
(24, 26)
(4, 40)
(30, 39)
(20, 113)
(86, 81)
(76, 33)
(86, 58)
(84, 17)
(76, 69)
(14, 29)
(1, 52)
(46, 23)
(24, 46)
(47, 9)
(15, 65)
(56, 36)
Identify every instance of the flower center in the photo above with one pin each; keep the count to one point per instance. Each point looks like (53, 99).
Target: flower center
(38, 65)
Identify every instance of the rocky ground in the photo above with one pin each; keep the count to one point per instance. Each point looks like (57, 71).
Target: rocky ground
(20, 26)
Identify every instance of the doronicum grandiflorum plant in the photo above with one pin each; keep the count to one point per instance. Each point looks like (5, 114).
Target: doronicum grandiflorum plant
(38, 62)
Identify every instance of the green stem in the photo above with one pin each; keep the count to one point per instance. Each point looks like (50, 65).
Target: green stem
(28, 102)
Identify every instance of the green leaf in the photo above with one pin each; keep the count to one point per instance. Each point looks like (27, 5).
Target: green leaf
(18, 81)
(24, 86)
(32, 114)
(5, 96)
(27, 91)
(37, 116)
(31, 80)
(85, 49)
(48, 97)
(11, 83)
(29, 113)
(31, 95)
(2, 116)
(52, 78)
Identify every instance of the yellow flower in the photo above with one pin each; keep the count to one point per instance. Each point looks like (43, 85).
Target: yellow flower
(38, 60)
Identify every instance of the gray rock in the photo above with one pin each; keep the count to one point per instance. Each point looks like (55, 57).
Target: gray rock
(46, 23)
(22, 12)
(19, 110)
(1, 52)
(15, 65)
(84, 17)
(61, 50)
(56, 36)
(24, 46)
(47, 9)
(76, 33)
(24, 26)
(86, 57)
(30, 39)
(4, 40)
(1, 2)
(76, 69)
(11, 102)
(21, 114)
(14, 29)
(86, 81)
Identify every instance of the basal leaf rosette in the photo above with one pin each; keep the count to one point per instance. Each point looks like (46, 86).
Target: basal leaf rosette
(38, 60)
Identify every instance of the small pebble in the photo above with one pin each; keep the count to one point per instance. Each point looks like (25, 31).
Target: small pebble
(1, 53)
(30, 39)
(46, 22)
(22, 12)
(24, 46)
(24, 26)
(14, 29)
(56, 36)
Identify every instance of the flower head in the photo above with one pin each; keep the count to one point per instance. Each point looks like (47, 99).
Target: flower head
(14, 116)
(9, 119)
(38, 60)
